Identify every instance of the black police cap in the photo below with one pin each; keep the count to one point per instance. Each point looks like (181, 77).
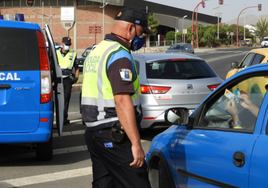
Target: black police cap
(136, 16)
(67, 40)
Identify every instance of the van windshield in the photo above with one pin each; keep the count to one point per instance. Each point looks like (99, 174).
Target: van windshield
(18, 49)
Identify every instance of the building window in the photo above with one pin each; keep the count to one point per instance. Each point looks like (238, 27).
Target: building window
(70, 3)
(16, 3)
(80, 2)
(8, 3)
(53, 3)
(37, 3)
(61, 2)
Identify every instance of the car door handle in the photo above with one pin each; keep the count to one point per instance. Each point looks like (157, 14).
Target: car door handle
(5, 86)
(239, 159)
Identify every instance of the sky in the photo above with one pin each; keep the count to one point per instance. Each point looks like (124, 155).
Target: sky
(228, 11)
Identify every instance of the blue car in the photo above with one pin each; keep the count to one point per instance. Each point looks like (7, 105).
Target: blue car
(223, 142)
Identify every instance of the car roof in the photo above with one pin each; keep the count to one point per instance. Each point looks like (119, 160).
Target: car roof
(251, 69)
(18, 24)
(260, 50)
(157, 56)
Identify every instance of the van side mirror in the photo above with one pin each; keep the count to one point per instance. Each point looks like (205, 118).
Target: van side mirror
(234, 65)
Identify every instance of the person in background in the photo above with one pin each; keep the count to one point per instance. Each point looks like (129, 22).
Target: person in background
(70, 72)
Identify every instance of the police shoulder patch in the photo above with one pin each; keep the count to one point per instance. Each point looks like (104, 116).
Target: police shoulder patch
(126, 74)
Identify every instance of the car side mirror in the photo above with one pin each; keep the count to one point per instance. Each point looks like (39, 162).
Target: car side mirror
(234, 65)
(177, 116)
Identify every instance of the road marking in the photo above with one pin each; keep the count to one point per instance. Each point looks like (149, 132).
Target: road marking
(69, 150)
(220, 57)
(44, 178)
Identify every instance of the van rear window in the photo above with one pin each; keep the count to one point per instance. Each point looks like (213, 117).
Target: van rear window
(18, 49)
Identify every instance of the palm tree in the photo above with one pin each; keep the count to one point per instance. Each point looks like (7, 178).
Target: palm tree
(153, 23)
(261, 28)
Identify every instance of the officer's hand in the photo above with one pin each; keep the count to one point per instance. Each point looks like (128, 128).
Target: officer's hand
(138, 155)
(74, 80)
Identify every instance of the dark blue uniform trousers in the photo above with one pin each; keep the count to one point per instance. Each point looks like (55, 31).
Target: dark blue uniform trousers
(67, 86)
(111, 162)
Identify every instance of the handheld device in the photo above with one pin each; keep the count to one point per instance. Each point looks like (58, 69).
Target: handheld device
(237, 92)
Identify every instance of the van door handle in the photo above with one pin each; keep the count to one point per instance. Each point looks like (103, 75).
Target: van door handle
(5, 86)
(239, 159)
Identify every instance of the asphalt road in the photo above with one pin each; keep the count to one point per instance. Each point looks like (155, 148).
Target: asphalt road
(71, 165)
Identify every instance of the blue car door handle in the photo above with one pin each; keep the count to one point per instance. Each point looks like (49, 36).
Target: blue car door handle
(5, 86)
(239, 159)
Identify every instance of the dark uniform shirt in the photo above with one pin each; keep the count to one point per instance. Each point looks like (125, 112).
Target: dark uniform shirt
(118, 85)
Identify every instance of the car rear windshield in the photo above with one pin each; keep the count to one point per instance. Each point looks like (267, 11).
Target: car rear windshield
(179, 70)
(177, 46)
(18, 49)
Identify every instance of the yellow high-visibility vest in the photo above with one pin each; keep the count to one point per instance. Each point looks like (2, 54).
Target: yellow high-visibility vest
(96, 89)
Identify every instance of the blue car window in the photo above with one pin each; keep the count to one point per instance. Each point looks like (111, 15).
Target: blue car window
(237, 108)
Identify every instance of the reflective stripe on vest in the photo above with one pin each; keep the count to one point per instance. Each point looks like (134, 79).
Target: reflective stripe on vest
(100, 92)
(68, 60)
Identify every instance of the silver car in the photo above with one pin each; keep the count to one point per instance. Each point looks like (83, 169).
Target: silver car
(170, 80)
(180, 47)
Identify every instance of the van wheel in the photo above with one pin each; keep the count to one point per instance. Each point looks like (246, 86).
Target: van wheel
(44, 151)
(163, 176)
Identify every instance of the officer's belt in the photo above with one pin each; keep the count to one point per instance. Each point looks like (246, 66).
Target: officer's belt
(96, 123)
(66, 71)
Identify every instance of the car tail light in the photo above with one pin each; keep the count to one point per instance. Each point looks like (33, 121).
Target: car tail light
(44, 119)
(213, 87)
(154, 89)
(149, 118)
(46, 88)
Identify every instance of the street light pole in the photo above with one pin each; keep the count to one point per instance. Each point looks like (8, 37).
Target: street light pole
(103, 14)
(196, 27)
(237, 27)
(218, 27)
(183, 36)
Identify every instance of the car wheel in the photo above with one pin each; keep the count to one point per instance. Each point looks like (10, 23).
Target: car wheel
(158, 175)
(163, 176)
(44, 151)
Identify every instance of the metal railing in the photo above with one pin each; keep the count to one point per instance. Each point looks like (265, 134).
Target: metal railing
(160, 43)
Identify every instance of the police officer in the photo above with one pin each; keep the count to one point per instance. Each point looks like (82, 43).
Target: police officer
(70, 72)
(111, 106)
